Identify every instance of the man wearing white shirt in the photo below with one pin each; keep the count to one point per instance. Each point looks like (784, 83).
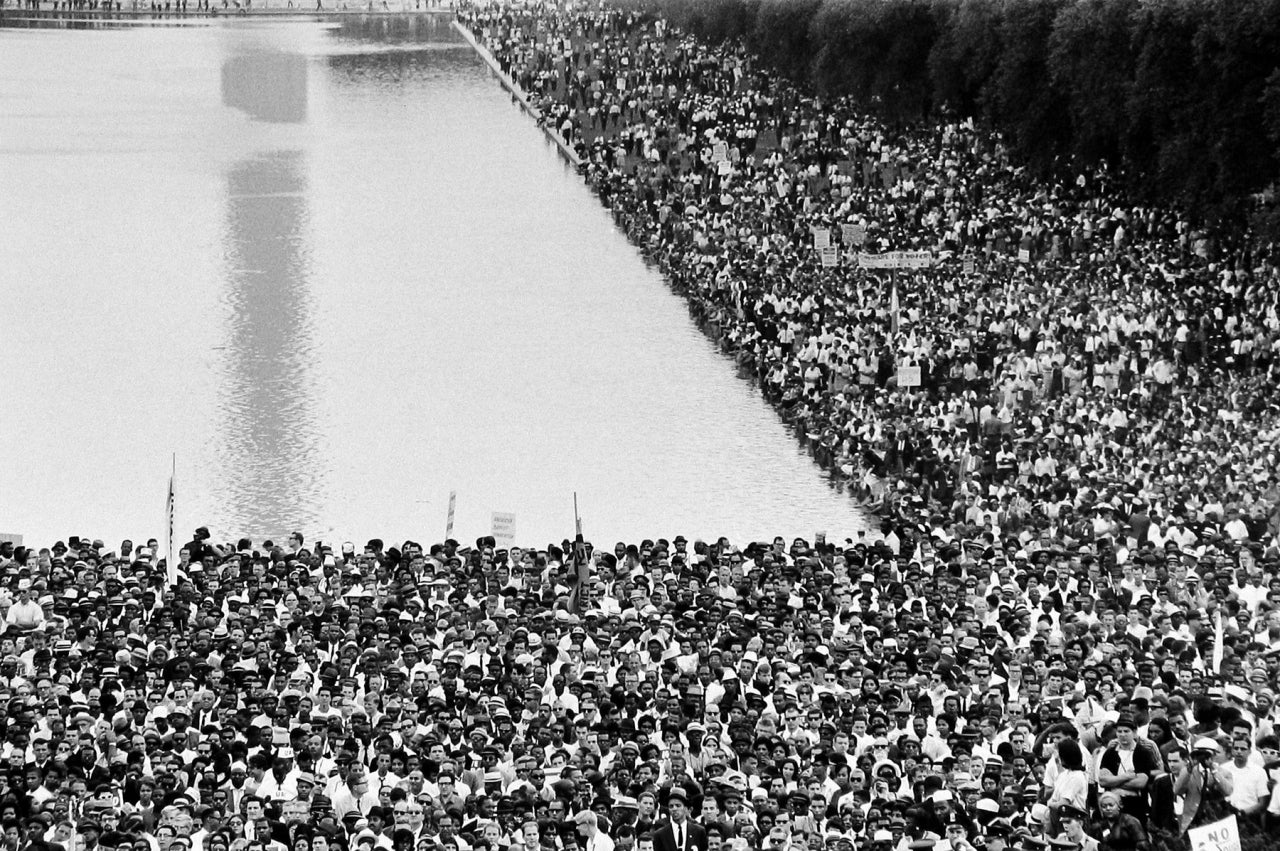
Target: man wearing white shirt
(25, 614)
(1252, 592)
(280, 783)
(593, 839)
(1236, 527)
(1244, 780)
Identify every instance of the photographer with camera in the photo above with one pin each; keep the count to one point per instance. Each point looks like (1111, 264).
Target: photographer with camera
(1204, 788)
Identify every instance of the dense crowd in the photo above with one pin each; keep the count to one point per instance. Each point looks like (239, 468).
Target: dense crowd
(1067, 417)
(1066, 632)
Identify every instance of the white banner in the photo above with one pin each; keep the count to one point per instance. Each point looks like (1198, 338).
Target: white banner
(908, 376)
(896, 260)
(821, 237)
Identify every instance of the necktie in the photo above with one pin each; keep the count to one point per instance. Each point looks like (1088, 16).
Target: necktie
(679, 837)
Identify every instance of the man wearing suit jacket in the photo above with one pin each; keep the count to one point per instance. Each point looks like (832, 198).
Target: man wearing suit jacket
(1164, 819)
(679, 833)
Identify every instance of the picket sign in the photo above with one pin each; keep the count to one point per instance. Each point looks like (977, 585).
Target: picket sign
(1221, 835)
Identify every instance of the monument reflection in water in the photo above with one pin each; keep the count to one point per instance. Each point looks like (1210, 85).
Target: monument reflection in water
(337, 273)
(267, 441)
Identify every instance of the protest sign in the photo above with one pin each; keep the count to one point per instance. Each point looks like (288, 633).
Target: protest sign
(896, 260)
(503, 529)
(1221, 835)
(853, 234)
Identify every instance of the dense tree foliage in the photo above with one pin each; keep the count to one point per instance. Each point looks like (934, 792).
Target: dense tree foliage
(1180, 97)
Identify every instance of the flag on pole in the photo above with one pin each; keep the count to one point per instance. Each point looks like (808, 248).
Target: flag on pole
(894, 308)
(171, 568)
(448, 525)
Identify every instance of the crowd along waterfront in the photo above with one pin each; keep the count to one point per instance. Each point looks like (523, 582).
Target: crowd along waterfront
(333, 269)
(1073, 619)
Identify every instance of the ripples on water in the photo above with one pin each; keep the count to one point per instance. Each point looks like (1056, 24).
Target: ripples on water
(339, 274)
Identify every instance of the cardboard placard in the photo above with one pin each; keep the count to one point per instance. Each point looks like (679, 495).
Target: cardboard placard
(503, 529)
(853, 234)
(1221, 835)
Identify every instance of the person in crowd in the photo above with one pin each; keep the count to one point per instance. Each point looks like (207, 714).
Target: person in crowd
(1058, 407)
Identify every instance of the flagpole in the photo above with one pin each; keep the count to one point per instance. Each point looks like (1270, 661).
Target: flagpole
(171, 571)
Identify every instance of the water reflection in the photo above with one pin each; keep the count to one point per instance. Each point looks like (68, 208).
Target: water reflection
(267, 86)
(267, 437)
(268, 443)
(395, 29)
(389, 70)
(390, 51)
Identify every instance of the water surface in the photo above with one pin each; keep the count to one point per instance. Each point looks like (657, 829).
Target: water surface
(339, 274)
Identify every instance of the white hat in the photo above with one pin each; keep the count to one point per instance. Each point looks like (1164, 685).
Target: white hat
(1207, 744)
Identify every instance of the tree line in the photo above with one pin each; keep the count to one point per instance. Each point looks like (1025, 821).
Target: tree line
(1181, 98)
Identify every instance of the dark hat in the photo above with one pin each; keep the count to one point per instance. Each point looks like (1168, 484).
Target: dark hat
(1067, 811)
(997, 829)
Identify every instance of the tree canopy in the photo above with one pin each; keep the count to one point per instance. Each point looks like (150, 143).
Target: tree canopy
(1180, 97)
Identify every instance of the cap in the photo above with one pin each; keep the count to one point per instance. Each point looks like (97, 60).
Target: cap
(1068, 811)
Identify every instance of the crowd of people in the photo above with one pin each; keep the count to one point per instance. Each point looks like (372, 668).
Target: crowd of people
(1064, 634)
(1068, 407)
